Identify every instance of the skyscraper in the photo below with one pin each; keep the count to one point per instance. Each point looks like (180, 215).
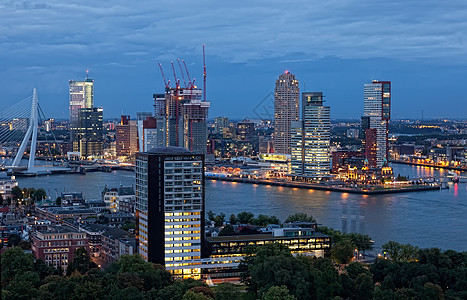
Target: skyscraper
(81, 96)
(286, 111)
(126, 135)
(88, 139)
(170, 209)
(311, 136)
(377, 107)
(183, 116)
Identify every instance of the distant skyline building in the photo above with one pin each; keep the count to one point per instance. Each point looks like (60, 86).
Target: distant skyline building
(88, 136)
(182, 114)
(311, 139)
(377, 113)
(220, 123)
(286, 111)
(126, 136)
(81, 95)
(170, 209)
(140, 117)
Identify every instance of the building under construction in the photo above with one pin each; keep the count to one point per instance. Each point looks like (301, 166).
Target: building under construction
(182, 112)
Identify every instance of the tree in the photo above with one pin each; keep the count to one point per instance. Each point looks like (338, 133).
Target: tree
(245, 217)
(211, 215)
(14, 239)
(219, 219)
(17, 193)
(190, 295)
(364, 287)
(1, 200)
(362, 242)
(227, 230)
(39, 195)
(278, 293)
(401, 252)
(81, 262)
(227, 291)
(263, 220)
(233, 219)
(300, 217)
(343, 251)
(15, 261)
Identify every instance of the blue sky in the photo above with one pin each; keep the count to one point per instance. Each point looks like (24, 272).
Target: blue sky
(331, 46)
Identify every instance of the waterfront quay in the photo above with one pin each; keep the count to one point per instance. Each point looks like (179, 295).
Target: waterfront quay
(316, 186)
(437, 166)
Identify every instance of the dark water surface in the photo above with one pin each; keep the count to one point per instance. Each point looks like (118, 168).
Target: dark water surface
(425, 219)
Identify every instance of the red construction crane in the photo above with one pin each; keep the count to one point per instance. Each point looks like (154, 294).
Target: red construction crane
(191, 83)
(204, 76)
(166, 83)
(181, 71)
(177, 81)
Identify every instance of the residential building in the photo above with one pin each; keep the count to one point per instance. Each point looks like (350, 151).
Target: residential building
(220, 123)
(311, 138)
(121, 199)
(244, 129)
(170, 209)
(72, 198)
(56, 214)
(286, 111)
(377, 106)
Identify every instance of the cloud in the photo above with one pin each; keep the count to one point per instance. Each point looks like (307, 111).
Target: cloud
(238, 31)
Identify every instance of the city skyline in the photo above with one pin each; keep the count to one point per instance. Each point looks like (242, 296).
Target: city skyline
(422, 51)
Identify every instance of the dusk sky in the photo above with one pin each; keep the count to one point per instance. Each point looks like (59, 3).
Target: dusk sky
(331, 46)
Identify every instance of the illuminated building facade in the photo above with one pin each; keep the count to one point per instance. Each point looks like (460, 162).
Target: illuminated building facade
(88, 138)
(81, 96)
(126, 135)
(310, 142)
(170, 209)
(377, 107)
(286, 111)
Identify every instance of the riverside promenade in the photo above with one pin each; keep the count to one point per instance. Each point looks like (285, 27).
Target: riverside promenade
(315, 186)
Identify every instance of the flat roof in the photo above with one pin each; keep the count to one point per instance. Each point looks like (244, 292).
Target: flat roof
(259, 237)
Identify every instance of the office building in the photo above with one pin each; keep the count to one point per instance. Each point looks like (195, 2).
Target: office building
(220, 123)
(310, 142)
(170, 209)
(88, 136)
(286, 111)
(81, 95)
(377, 107)
(126, 136)
(244, 129)
(140, 118)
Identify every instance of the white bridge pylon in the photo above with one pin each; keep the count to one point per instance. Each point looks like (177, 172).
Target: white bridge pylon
(31, 134)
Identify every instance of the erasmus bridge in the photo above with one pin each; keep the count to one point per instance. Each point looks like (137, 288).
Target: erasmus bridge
(19, 129)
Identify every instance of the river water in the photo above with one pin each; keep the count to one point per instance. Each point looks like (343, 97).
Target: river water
(426, 219)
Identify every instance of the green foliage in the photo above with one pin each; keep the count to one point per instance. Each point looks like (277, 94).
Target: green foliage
(401, 252)
(278, 293)
(343, 251)
(227, 230)
(15, 261)
(58, 201)
(39, 195)
(128, 225)
(17, 193)
(14, 239)
(228, 291)
(264, 220)
(233, 219)
(245, 217)
(81, 262)
(299, 217)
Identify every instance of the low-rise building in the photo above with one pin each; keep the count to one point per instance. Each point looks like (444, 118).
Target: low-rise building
(115, 243)
(56, 244)
(121, 199)
(57, 214)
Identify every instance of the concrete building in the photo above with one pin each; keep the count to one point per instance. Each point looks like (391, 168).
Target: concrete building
(140, 118)
(126, 136)
(56, 245)
(286, 111)
(377, 107)
(88, 136)
(182, 115)
(311, 138)
(170, 209)
(121, 199)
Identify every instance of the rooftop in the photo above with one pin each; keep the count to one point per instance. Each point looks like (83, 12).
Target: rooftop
(169, 150)
(258, 237)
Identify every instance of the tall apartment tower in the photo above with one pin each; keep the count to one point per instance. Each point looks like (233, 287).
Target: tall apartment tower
(140, 118)
(170, 209)
(182, 115)
(377, 109)
(126, 135)
(286, 111)
(311, 139)
(81, 96)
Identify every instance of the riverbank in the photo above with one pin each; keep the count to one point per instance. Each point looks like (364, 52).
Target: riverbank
(401, 162)
(294, 184)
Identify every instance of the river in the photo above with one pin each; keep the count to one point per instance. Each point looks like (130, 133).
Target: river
(425, 219)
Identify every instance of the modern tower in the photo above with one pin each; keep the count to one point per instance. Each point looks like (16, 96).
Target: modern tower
(126, 135)
(88, 139)
(377, 112)
(286, 111)
(170, 209)
(311, 136)
(81, 96)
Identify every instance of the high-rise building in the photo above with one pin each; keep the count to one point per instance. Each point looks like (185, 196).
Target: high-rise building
(81, 96)
(244, 129)
(170, 209)
(126, 136)
(153, 134)
(220, 123)
(311, 136)
(182, 114)
(286, 111)
(88, 136)
(140, 118)
(377, 107)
